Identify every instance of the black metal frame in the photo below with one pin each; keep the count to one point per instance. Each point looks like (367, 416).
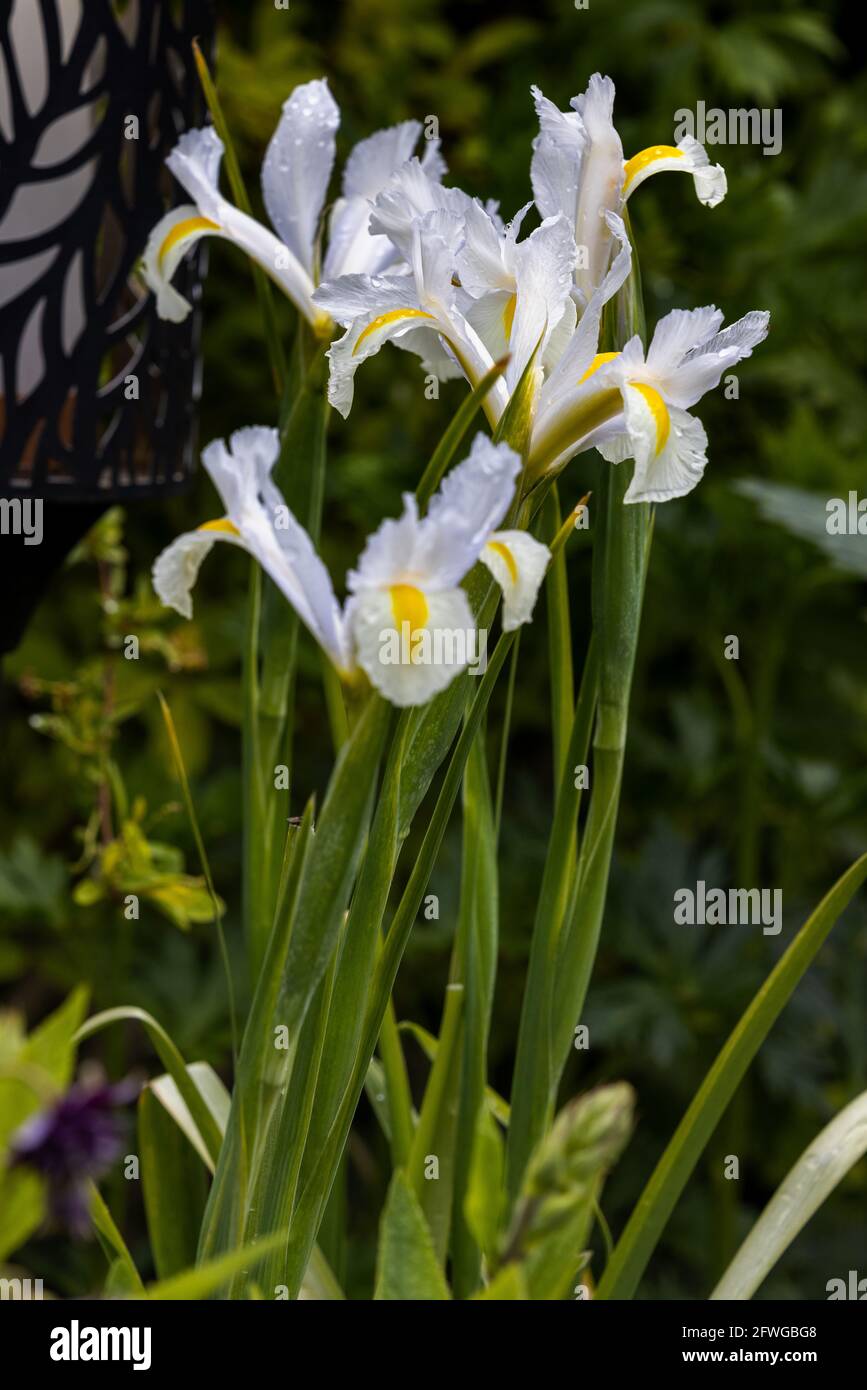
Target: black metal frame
(76, 437)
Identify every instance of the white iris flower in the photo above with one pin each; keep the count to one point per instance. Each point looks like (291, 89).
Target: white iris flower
(420, 310)
(476, 292)
(258, 520)
(407, 623)
(437, 273)
(295, 177)
(634, 404)
(578, 170)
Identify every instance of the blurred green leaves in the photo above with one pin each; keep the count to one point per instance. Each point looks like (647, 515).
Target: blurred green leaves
(133, 866)
(805, 514)
(34, 1071)
(32, 883)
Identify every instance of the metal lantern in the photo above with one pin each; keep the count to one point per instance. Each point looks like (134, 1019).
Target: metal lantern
(97, 396)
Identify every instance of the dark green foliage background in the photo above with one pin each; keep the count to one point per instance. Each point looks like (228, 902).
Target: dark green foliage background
(745, 773)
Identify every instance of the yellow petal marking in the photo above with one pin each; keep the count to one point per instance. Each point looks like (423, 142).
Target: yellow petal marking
(659, 411)
(409, 605)
(221, 524)
(182, 230)
(505, 554)
(391, 317)
(509, 315)
(640, 161)
(598, 361)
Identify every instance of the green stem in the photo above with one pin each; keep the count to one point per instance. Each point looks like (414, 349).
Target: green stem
(559, 637)
(563, 952)
(620, 567)
(253, 792)
(300, 474)
(324, 1165)
(205, 864)
(454, 434)
(533, 1085)
(435, 1130)
(474, 962)
(504, 738)
(397, 1089)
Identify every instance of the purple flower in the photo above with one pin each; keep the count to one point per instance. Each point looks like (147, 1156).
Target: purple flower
(74, 1141)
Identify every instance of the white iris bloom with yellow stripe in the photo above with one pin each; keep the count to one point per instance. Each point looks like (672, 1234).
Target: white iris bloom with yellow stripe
(475, 292)
(424, 303)
(512, 293)
(407, 584)
(295, 177)
(575, 408)
(518, 563)
(257, 520)
(687, 356)
(633, 404)
(519, 293)
(578, 169)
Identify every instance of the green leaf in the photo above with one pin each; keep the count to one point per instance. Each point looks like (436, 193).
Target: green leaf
(257, 1089)
(320, 1285)
(429, 1043)
(213, 1093)
(325, 1161)
(300, 475)
(508, 1283)
(319, 1281)
(123, 1275)
(804, 514)
(401, 1117)
(516, 421)
(375, 1090)
(212, 1274)
(314, 924)
(558, 1199)
(407, 1268)
(453, 437)
(22, 1208)
(484, 1203)
(184, 901)
(173, 1187)
(32, 884)
(330, 869)
(822, 1165)
(181, 902)
(565, 950)
(431, 729)
(358, 959)
(559, 637)
(619, 570)
(672, 1173)
(430, 734)
(535, 1080)
(171, 1060)
(474, 961)
(436, 1130)
(34, 1072)
(38, 1068)
(287, 1138)
(505, 735)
